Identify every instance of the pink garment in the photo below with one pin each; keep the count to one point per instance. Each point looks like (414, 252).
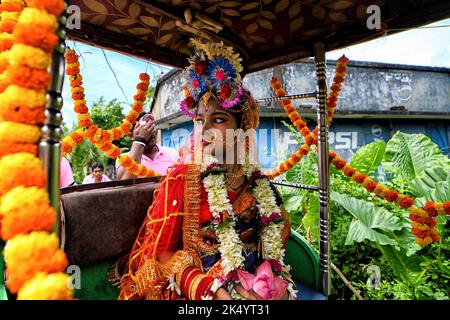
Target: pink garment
(65, 174)
(90, 179)
(165, 158)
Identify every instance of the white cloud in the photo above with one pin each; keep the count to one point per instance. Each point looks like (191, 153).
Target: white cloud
(425, 46)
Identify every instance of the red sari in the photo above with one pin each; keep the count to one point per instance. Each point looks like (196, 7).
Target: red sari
(171, 240)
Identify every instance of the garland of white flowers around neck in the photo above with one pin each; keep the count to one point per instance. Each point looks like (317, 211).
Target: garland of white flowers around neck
(223, 222)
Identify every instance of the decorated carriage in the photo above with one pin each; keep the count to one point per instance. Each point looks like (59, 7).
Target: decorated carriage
(265, 34)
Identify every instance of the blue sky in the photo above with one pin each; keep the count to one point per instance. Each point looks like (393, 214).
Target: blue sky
(428, 46)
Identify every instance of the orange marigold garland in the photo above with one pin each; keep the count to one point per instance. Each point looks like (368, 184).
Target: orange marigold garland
(102, 139)
(423, 227)
(296, 119)
(71, 141)
(27, 217)
(137, 169)
(80, 107)
(335, 88)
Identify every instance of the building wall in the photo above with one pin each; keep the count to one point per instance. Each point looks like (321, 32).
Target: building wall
(276, 143)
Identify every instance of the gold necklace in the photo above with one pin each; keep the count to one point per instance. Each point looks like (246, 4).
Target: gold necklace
(232, 179)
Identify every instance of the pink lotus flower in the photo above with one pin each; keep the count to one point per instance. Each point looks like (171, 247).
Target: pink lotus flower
(264, 283)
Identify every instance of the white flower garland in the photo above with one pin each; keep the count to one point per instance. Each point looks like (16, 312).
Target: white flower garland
(230, 245)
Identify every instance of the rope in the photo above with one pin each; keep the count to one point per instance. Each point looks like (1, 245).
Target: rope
(115, 76)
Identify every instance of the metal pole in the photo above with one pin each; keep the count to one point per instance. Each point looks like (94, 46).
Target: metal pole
(291, 97)
(296, 185)
(50, 146)
(324, 173)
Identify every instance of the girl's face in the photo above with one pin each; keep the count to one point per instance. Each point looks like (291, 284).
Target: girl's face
(215, 122)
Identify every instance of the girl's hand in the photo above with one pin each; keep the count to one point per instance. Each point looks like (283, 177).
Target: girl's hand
(222, 294)
(247, 294)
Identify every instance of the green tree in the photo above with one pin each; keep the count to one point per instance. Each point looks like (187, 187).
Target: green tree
(106, 115)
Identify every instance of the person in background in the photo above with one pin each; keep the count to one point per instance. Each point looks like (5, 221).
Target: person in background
(146, 151)
(97, 175)
(65, 174)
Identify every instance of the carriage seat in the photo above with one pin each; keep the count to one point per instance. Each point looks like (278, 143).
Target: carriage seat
(100, 221)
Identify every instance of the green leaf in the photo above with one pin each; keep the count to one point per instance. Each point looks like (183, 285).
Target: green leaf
(407, 268)
(424, 184)
(367, 159)
(292, 199)
(311, 218)
(370, 221)
(408, 155)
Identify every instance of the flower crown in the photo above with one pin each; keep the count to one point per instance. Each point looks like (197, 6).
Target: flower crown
(215, 69)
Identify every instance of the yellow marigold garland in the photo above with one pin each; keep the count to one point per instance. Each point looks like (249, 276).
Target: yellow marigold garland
(33, 15)
(20, 169)
(44, 286)
(33, 57)
(24, 210)
(18, 132)
(27, 254)
(19, 96)
(24, 204)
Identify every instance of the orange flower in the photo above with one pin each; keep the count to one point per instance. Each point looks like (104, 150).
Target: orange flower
(66, 148)
(391, 195)
(447, 207)
(360, 177)
(7, 26)
(23, 114)
(5, 44)
(25, 255)
(10, 7)
(80, 108)
(340, 164)
(429, 207)
(13, 169)
(25, 210)
(371, 185)
(144, 77)
(140, 97)
(77, 137)
(309, 140)
(142, 86)
(72, 71)
(349, 171)
(55, 7)
(85, 123)
(115, 153)
(404, 201)
(37, 35)
(78, 96)
(27, 77)
(7, 147)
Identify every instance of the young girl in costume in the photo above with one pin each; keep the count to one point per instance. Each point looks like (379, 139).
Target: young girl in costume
(217, 227)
